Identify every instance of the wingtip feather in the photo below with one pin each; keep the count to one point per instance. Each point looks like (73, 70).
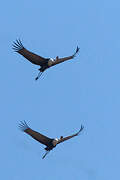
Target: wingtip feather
(23, 125)
(82, 127)
(17, 45)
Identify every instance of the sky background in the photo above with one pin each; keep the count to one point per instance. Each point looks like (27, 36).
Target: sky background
(85, 90)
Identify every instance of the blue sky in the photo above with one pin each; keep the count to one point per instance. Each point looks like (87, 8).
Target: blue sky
(82, 91)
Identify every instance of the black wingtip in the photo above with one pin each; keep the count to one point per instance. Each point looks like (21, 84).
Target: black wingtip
(77, 50)
(17, 45)
(82, 127)
(23, 125)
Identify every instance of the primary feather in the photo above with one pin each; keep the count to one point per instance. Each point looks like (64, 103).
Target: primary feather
(32, 57)
(37, 136)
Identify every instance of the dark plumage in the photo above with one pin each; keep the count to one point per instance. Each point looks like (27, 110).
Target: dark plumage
(44, 63)
(48, 142)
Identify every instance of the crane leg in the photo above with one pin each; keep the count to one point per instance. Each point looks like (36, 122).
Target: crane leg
(39, 74)
(45, 154)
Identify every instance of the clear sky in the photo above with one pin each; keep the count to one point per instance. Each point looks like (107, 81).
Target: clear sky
(84, 91)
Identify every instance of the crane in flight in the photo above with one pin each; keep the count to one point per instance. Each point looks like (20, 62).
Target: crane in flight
(44, 63)
(50, 143)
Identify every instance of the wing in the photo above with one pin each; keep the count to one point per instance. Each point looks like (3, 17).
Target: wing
(37, 136)
(60, 60)
(33, 58)
(69, 137)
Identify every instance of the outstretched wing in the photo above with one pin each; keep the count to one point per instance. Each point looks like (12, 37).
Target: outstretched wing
(60, 60)
(69, 137)
(37, 136)
(33, 58)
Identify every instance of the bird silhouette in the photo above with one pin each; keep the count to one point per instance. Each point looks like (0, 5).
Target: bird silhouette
(50, 143)
(44, 63)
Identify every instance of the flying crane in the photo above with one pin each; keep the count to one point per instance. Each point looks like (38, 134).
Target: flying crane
(44, 63)
(50, 143)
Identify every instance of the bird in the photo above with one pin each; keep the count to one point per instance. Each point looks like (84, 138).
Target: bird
(50, 143)
(44, 63)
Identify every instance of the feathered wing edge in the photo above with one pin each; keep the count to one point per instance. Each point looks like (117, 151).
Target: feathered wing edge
(69, 137)
(23, 126)
(17, 46)
(34, 134)
(76, 52)
(82, 127)
(60, 60)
